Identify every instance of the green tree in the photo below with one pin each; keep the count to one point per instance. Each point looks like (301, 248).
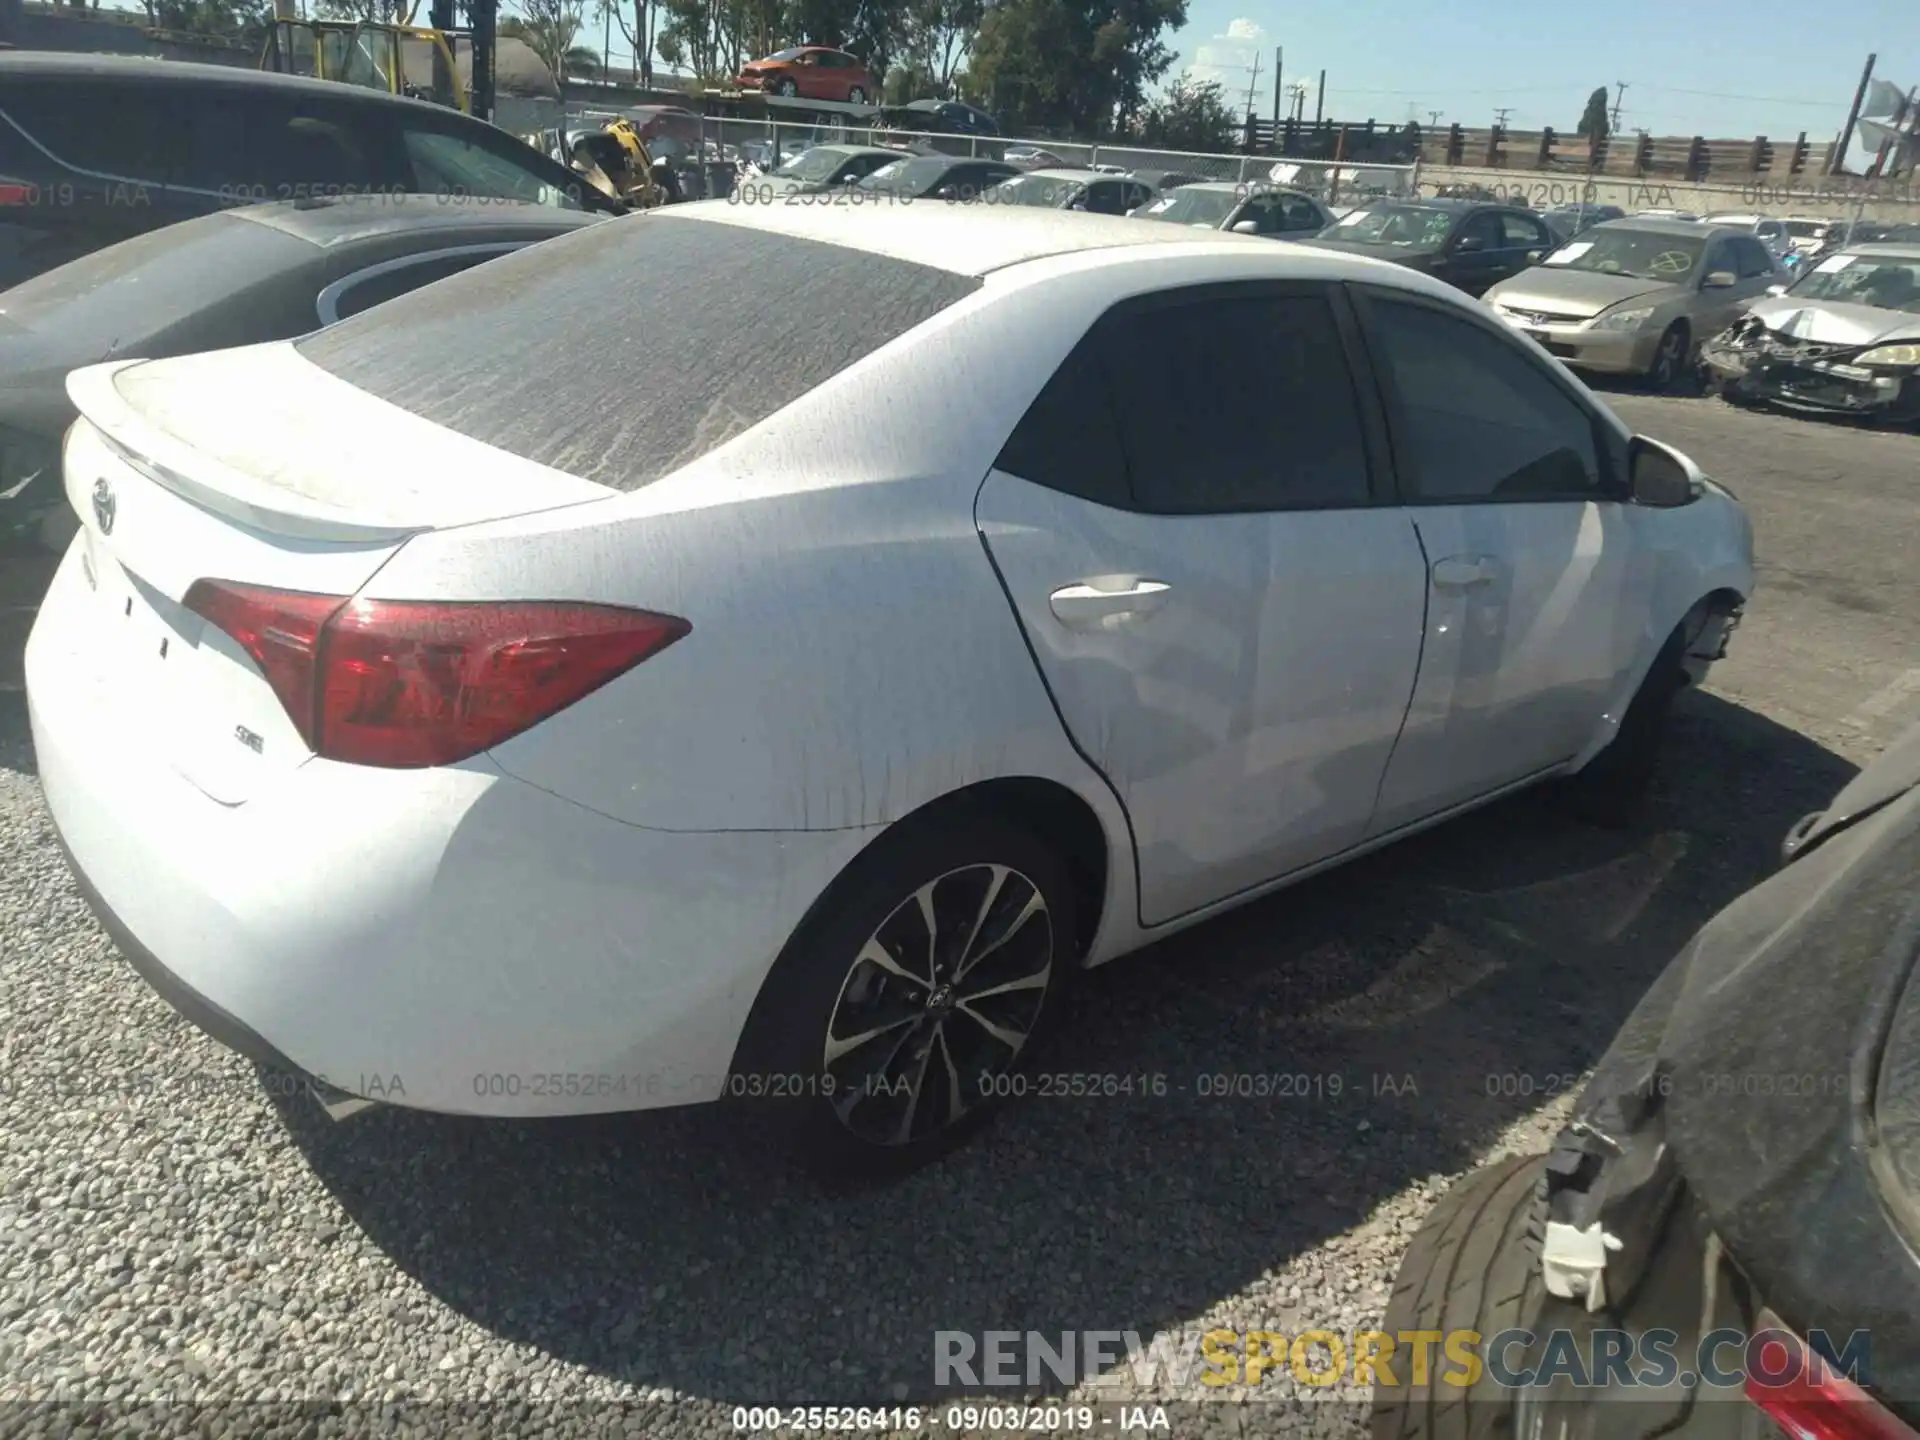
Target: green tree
(1593, 122)
(380, 12)
(243, 19)
(1190, 116)
(935, 38)
(1079, 66)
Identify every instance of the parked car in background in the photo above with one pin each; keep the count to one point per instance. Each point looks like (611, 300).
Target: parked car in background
(1721, 1242)
(1637, 297)
(811, 72)
(1567, 221)
(186, 140)
(824, 167)
(1770, 232)
(231, 278)
(1163, 180)
(1032, 157)
(1245, 209)
(1845, 338)
(940, 117)
(1094, 191)
(937, 177)
(1468, 244)
(1663, 215)
(496, 772)
(1807, 234)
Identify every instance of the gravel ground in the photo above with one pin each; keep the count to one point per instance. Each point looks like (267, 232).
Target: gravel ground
(174, 1228)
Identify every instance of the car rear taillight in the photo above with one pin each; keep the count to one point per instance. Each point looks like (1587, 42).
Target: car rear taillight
(1809, 1399)
(410, 683)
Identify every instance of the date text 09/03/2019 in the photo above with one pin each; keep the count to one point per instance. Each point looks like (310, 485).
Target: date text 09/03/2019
(963, 1418)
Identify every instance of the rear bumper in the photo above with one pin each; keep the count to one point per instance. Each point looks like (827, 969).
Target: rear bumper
(452, 940)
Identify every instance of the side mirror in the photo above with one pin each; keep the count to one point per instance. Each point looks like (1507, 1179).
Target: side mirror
(1776, 289)
(1467, 244)
(1720, 280)
(1246, 227)
(1659, 476)
(1534, 257)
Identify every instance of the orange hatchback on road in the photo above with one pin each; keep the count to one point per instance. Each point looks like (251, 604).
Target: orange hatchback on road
(812, 72)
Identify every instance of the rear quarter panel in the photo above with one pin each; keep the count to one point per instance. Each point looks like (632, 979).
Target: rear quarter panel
(852, 654)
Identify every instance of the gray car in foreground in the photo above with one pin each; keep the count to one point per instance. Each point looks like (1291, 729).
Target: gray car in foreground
(1637, 297)
(1844, 338)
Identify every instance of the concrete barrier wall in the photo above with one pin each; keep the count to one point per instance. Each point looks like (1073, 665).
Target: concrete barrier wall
(1827, 196)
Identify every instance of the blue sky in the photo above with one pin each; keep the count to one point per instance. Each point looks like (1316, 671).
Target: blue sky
(1763, 67)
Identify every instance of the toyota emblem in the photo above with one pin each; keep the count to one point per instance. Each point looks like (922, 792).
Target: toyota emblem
(103, 506)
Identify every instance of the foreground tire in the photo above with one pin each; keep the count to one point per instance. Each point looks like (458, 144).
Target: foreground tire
(1611, 789)
(895, 1021)
(1471, 1267)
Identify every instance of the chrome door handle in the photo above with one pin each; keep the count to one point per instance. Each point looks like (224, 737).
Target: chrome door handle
(1085, 604)
(1459, 573)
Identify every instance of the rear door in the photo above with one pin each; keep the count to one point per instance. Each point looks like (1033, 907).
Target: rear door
(1224, 607)
(1538, 595)
(1472, 258)
(1526, 241)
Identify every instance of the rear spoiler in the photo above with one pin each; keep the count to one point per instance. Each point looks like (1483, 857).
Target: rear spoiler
(198, 477)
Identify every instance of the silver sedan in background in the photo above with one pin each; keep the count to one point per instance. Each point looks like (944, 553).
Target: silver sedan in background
(1636, 296)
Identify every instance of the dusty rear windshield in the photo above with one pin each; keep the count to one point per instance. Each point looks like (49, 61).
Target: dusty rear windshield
(629, 349)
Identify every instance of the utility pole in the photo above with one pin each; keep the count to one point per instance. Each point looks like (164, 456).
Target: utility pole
(1279, 54)
(1619, 94)
(1434, 116)
(1500, 116)
(1319, 105)
(1838, 160)
(1253, 83)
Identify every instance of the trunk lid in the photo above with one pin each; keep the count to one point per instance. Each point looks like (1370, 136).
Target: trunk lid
(253, 466)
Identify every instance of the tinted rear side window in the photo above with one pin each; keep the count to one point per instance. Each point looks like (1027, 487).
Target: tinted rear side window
(624, 351)
(118, 132)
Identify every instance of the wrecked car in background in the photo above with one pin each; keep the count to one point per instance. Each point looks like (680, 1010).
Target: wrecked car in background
(1845, 337)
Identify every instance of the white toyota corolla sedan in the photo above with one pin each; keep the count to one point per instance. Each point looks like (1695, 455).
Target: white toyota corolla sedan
(764, 652)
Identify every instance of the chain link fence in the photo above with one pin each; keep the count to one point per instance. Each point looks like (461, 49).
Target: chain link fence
(730, 143)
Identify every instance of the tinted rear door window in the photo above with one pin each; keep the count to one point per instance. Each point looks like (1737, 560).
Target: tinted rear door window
(248, 147)
(1235, 402)
(120, 132)
(555, 354)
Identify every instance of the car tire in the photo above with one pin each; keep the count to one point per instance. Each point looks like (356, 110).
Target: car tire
(816, 1107)
(1610, 788)
(1472, 1266)
(1669, 359)
(856, 96)
(786, 87)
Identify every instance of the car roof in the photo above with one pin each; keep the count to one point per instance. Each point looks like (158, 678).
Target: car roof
(975, 240)
(59, 65)
(1662, 225)
(1072, 172)
(351, 219)
(839, 147)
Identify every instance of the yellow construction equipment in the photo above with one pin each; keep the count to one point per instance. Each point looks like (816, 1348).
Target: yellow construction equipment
(415, 60)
